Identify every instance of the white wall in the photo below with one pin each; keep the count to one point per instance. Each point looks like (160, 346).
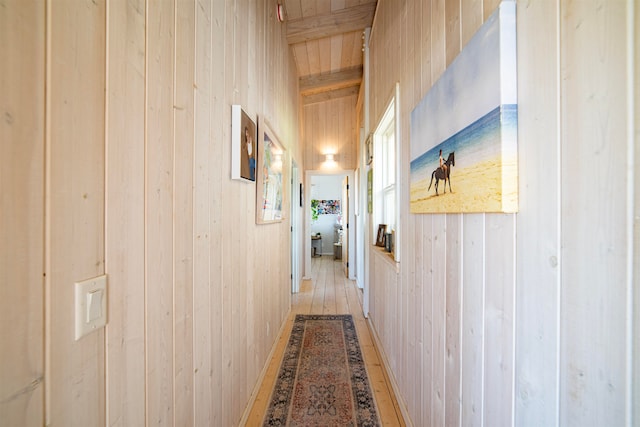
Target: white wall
(521, 319)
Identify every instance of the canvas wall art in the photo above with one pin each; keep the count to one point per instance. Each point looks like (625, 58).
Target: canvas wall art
(270, 180)
(464, 155)
(328, 207)
(243, 145)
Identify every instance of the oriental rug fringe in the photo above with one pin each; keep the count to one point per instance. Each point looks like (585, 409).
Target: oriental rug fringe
(322, 379)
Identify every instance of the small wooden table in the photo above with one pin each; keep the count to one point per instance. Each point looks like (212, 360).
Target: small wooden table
(337, 251)
(316, 243)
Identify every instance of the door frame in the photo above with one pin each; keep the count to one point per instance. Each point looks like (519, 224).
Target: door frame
(296, 220)
(351, 220)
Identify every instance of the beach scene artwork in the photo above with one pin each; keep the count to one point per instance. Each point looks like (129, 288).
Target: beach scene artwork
(470, 119)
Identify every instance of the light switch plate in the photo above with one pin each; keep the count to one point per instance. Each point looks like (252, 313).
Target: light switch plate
(91, 305)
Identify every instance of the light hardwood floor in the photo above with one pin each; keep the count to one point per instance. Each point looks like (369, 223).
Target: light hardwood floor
(330, 292)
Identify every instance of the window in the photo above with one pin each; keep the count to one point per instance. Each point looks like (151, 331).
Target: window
(385, 175)
(387, 188)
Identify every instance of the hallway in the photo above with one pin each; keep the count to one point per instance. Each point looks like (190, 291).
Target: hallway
(329, 292)
(116, 159)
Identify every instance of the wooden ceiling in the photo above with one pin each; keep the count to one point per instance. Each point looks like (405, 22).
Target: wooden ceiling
(326, 37)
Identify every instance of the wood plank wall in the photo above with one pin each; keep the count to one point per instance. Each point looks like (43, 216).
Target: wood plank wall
(136, 184)
(125, 217)
(22, 156)
(520, 319)
(75, 198)
(330, 127)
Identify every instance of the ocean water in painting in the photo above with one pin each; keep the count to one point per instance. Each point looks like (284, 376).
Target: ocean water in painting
(485, 158)
(470, 110)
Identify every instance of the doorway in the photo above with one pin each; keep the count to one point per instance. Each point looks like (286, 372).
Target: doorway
(336, 230)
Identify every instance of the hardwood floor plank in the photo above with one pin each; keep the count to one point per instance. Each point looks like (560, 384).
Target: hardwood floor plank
(329, 292)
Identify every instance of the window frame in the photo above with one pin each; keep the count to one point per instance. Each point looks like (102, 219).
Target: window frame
(382, 185)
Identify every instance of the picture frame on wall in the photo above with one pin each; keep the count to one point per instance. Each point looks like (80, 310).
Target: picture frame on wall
(470, 115)
(369, 150)
(329, 207)
(301, 195)
(243, 145)
(381, 237)
(270, 177)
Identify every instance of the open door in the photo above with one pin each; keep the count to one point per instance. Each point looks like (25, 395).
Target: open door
(345, 225)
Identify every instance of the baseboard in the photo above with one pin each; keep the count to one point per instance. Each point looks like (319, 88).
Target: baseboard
(263, 373)
(404, 413)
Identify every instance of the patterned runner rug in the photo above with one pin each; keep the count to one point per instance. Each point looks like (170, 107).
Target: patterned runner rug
(322, 379)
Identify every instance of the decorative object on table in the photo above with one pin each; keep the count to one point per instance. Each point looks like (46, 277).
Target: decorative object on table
(393, 241)
(337, 251)
(387, 241)
(270, 188)
(464, 149)
(322, 379)
(243, 145)
(380, 238)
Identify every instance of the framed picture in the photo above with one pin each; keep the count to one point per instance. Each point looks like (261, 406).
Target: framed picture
(369, 149)
(301, 195)
(243, 145)
(329, 207)
(464, 151)
(270, 177)
(380, 239)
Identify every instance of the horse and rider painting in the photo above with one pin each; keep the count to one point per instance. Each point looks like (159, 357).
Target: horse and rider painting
(470, 115)
(443, 172)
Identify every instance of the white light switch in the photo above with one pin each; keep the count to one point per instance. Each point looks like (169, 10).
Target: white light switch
(94, 305)
(91, 305)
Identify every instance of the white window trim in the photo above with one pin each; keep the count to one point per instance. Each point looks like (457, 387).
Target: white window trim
(392, 112)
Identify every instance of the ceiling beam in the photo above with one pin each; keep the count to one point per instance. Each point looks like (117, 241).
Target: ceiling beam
(329, 95)
(320, 26)
(330, 81)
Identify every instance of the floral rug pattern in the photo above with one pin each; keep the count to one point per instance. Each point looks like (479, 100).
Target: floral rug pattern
(322, 379)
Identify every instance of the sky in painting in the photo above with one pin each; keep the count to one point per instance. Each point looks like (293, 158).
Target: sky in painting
(471, 86)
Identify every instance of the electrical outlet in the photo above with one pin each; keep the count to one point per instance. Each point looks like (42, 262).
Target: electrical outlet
(90, 305)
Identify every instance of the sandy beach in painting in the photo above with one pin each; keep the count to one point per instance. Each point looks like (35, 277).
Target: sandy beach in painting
(476, 188)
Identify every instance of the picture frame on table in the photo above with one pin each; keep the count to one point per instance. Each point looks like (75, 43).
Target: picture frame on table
(381, 237)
